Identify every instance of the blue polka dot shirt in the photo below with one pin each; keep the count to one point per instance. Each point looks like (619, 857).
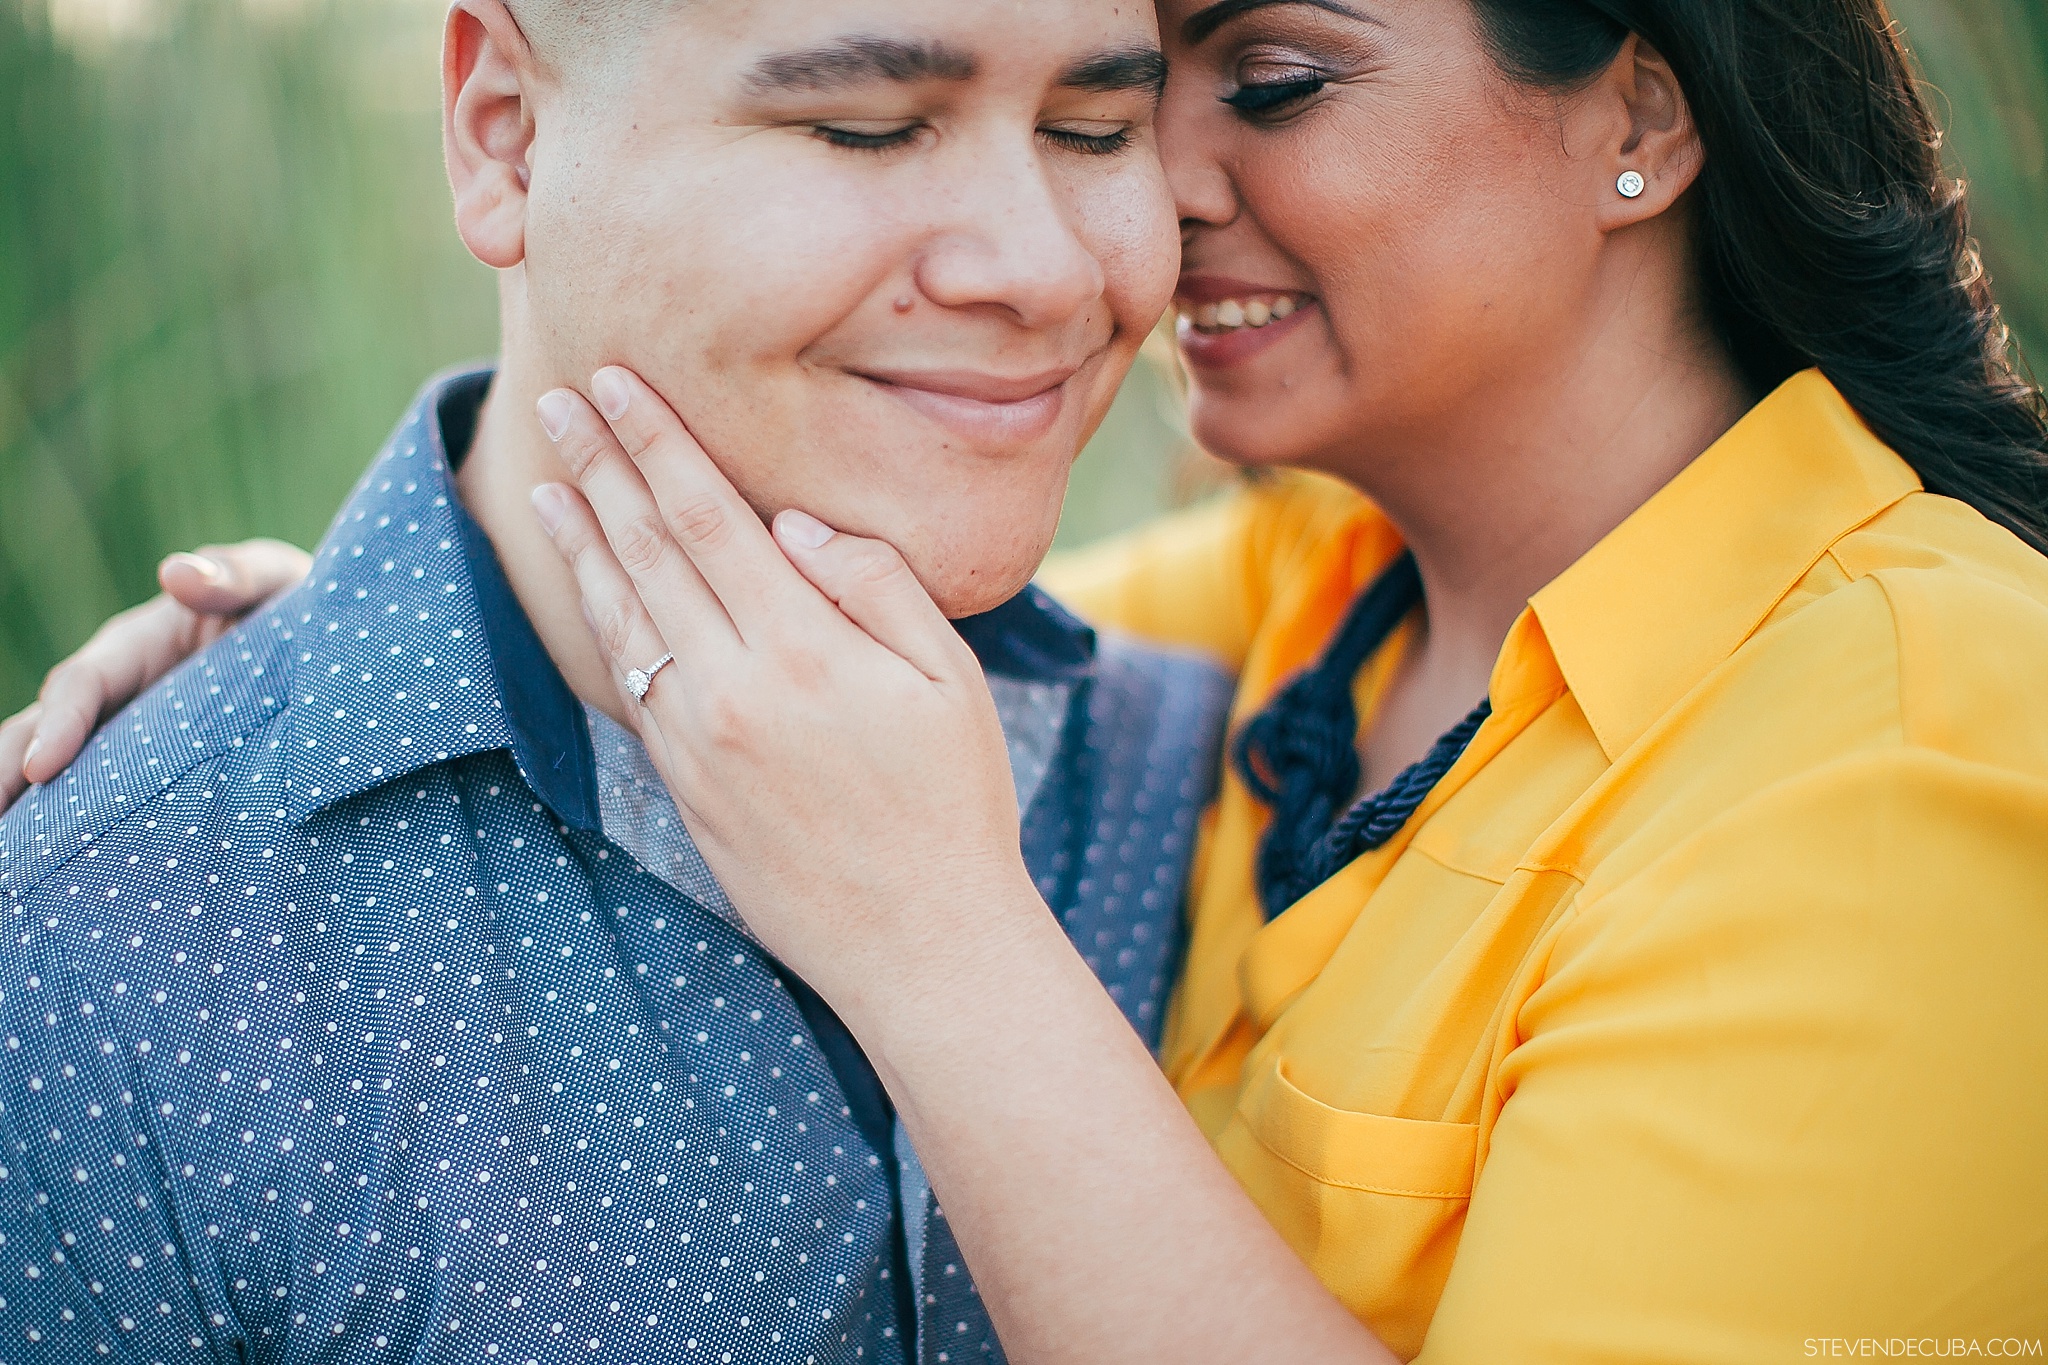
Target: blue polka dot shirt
(334, 1027)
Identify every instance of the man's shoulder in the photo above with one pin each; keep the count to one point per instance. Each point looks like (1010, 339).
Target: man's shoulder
(216, 725)
(1163, 685)
(375, 667)
(1160, 711)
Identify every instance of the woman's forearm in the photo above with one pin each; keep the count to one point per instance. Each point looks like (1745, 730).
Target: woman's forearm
(1098, 1223)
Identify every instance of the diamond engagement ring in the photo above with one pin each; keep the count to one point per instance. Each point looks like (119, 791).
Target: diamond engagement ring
(638, 680)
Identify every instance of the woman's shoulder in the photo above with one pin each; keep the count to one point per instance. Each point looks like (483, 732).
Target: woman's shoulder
(1907, 664)
(1958, 608)
(1203, 577)
(1263, 520)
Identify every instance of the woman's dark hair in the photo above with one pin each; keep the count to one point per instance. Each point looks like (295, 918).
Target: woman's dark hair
(1829, 234)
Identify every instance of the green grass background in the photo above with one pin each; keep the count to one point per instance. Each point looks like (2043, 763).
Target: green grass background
(226, 263)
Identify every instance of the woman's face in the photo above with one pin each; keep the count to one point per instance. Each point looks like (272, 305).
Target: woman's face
(1410, 228)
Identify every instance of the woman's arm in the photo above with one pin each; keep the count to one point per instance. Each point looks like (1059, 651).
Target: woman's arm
(1203, 578)
(1188, 580)
(204, 593)
(1097, 1220)
(1098, 1223)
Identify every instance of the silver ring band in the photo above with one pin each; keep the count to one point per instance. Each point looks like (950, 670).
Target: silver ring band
(638, 680)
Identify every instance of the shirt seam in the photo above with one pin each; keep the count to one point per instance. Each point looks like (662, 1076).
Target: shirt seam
(1551, 936)
(90, 832)
(1891, 610)
(1449, 866)
(1334, 1183)
(1582, 907)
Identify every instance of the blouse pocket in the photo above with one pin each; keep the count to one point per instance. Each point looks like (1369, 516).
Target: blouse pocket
(1352, 1150)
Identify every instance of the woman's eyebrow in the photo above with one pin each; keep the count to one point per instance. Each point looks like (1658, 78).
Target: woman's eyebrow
(1205, 22)
(1133, 68)
(860, 59)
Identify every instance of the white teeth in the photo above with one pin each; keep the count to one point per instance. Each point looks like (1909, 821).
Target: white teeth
(1232, 314)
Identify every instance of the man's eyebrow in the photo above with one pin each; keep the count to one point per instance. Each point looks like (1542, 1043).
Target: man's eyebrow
(1131, 68)
(1205, 22)
(859, 59)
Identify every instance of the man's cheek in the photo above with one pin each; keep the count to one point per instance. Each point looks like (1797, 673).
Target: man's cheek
(1133, 233)
(758, 429)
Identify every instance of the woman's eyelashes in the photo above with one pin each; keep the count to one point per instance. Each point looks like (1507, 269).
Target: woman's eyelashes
(1269, 100)
(1095, 140)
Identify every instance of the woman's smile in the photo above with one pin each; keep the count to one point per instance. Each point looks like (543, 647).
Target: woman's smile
(1224, 322)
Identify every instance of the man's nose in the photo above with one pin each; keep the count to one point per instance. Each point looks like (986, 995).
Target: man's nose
(1015, 242)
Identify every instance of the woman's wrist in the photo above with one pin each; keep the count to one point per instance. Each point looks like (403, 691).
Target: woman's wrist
(943, 961)
(1086, 1201)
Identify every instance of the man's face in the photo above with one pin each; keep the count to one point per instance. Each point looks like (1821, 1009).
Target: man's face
(890, 259)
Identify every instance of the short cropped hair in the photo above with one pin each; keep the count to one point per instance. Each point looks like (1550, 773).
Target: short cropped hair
(561, 31)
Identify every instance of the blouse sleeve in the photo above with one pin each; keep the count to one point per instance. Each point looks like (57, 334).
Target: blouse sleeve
(1203, 578)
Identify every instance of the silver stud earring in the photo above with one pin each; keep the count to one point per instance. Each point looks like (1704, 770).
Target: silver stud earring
(1630, 184)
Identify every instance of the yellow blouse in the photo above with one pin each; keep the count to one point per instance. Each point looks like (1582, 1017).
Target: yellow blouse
(1701, 1013)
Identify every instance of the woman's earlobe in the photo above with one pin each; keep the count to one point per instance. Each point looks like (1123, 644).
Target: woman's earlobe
(1658, 155)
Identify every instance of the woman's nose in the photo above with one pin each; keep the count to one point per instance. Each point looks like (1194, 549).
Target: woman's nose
(1193, 147)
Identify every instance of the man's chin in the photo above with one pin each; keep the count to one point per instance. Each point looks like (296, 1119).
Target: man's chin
(961, 600)
(962, 589)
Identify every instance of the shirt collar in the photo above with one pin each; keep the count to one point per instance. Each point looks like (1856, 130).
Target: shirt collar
(368, 711)
(404, 547)
(1675, 589)
(1031, 638)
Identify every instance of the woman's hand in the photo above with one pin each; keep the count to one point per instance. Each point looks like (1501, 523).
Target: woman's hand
(825, 731)
(834, 751)
(204, 594)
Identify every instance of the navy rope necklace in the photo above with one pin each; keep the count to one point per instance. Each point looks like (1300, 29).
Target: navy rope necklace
(1299, 754)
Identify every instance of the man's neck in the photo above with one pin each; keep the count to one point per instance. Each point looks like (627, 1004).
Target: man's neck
(510, 457)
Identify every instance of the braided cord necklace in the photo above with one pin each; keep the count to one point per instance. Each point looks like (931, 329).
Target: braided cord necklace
(1299, 754)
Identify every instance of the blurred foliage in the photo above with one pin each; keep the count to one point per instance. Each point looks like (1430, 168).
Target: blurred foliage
(1986, 62)
(226, 263)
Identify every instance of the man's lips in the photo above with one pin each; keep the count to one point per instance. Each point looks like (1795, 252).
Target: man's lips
(977, 385)
(987, 408)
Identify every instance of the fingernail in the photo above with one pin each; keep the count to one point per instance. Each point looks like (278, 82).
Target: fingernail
(557, 410)
(803, 530)
(551, 505)
(210, 570)
(612, 393)
(30, 752)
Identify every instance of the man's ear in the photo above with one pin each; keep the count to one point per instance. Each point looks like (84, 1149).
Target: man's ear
(1652, 134)
(487, 75)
